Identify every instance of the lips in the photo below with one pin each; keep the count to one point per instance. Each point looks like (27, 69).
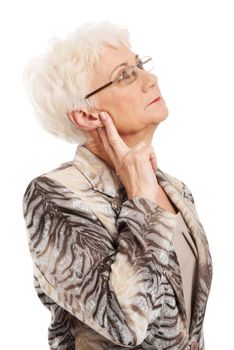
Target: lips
(155, 100)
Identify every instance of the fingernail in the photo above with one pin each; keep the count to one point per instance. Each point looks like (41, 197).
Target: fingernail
(103, 115)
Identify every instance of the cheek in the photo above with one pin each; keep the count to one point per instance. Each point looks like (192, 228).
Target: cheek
(128, 117)
(128, 102)
(125, 107)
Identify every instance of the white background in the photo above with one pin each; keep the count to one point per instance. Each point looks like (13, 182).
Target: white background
(192, 46)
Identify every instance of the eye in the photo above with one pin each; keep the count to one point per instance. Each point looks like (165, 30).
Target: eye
(127, 75)
(124, 75)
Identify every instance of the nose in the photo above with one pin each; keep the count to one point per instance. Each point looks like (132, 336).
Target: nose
(148, 80)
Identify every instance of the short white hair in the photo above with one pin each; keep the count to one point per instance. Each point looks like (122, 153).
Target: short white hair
(58, 80)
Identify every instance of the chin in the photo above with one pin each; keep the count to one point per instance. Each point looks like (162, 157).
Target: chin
(165, 115)
(160, 114)
(160, 117)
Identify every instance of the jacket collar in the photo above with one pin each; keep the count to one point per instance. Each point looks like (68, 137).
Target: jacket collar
(90, 165)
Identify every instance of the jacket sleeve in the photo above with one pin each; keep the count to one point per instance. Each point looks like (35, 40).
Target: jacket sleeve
(112, 286)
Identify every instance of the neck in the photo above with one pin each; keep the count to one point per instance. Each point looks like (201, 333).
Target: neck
(95, 144)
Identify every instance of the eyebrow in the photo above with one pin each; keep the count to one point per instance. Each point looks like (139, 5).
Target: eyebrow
(122, 64)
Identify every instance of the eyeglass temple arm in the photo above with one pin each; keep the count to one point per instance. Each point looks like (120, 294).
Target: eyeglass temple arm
(102, 87)
(147, 60)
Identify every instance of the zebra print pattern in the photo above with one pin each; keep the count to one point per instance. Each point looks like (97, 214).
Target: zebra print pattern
(105, 266)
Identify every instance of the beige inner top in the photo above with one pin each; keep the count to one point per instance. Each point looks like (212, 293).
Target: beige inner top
(186, 253)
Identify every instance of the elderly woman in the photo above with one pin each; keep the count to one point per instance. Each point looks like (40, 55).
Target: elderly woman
(120, 257)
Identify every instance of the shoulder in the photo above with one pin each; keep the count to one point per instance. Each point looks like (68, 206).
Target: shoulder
(57, 192)
(50, 186)
(42, 182)
(54, 180)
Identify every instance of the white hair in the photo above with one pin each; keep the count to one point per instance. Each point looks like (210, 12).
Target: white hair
(58, 80)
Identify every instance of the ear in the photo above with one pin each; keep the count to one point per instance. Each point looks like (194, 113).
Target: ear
(85, 120)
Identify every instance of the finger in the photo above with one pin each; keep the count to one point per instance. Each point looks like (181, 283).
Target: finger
(114, 138)
(143, 147)
(154, 164)
(153, 159)
(105, 141)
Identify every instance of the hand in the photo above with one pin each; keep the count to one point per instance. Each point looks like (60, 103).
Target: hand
(135, 166)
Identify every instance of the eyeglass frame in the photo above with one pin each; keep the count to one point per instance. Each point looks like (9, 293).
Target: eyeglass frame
(117, 79)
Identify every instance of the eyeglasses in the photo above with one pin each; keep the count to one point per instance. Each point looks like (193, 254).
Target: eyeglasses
(128, 74)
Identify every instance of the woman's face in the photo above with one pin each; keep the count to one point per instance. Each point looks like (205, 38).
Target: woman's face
(128, 105)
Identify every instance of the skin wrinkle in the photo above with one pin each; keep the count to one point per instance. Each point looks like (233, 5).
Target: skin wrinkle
(125, 104)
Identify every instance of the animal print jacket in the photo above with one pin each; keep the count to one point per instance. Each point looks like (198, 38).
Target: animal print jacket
(105, 266)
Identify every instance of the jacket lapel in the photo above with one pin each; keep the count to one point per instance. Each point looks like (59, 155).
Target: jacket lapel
(179, 195)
